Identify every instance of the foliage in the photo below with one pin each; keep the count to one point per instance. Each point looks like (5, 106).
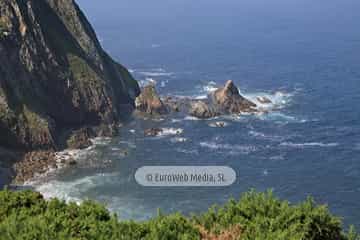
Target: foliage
(26, 215)
(263, 216)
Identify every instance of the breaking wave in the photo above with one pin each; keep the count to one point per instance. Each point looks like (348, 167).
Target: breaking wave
(178, 140)
(232, 149)
(171, 131)
(72, 191)
(260, 135)
(156, 72)
(309, 144)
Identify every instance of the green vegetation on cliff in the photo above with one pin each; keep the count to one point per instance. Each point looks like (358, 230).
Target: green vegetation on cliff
(26, 215)
(55, 76)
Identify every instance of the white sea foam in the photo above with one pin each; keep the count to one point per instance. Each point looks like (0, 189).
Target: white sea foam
(278, 99)
(163, 83)
(101, 140)
(232, 149)
(158, 72)
(151, 80)
(260, 135)
(200, 97)
(308, 144)
(218, 124)
(71, 191)
(174, 120)
(170, 131)
(203, 91)
(147, 81)
(191, 118)
(187, 151)
(178, 140)
(210, 87)
(280, 118)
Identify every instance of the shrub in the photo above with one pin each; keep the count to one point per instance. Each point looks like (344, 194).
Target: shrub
(26, 215)
(263, 216)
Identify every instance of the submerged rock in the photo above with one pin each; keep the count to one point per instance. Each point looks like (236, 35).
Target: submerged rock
(153, 132)
(202, 110)
(229, 100)
(149, 102)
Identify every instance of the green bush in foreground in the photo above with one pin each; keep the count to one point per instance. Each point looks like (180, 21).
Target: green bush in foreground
(26, 215)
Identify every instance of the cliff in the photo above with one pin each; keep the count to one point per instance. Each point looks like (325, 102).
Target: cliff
(54, 75)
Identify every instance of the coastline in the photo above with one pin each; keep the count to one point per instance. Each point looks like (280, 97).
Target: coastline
(24, 166)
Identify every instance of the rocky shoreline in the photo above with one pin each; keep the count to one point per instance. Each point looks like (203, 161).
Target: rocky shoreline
(29, 165)
(58, 87)
(225, 100)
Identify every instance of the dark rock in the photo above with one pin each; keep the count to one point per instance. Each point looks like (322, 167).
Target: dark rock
(202, 110)
(37, 162)
(106, 130)
(80, 139)
(149, 102)
(152, 132)
(55, 77)
(72, 162)
(7, 159)
(173, 104)
(229, 100)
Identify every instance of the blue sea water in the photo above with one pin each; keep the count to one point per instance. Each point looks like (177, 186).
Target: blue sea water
(303, 54)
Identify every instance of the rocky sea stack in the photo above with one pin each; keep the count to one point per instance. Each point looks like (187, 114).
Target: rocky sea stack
(225, 100)
(149, 102)
(54, 75)
(228, 99)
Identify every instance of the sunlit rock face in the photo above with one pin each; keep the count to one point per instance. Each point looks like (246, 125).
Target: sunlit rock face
(54, 75)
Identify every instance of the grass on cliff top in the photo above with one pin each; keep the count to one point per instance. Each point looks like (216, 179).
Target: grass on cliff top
(26, 215)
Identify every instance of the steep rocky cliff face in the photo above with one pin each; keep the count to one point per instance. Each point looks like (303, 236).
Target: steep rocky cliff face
(54, 75)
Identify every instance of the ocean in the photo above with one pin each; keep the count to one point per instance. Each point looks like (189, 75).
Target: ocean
(303, 55)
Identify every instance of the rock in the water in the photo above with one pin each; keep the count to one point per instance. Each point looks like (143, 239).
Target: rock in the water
(264, 100)
(172, 104)
(229, 99)
(202, 110)
(149, 102)
(152, 132)
(80, 139)
(219, 124)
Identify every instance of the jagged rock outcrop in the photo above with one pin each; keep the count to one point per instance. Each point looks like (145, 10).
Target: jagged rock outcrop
(80, 139)
(229, 100)
(202, 110)
(149, 102)
(54, 75)
(226, 100)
